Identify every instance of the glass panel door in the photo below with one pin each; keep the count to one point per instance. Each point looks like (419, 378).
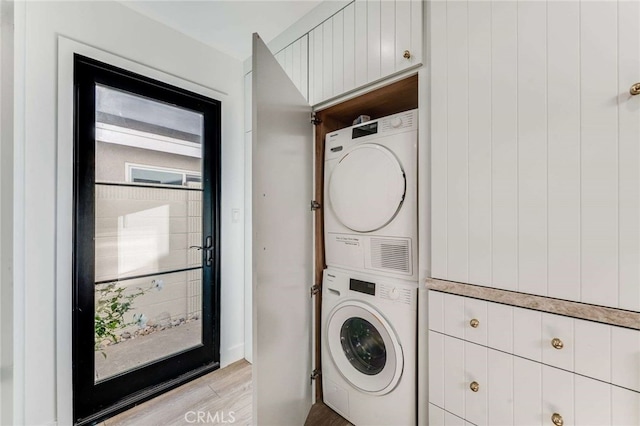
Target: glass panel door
(148, 231)
(146, 243)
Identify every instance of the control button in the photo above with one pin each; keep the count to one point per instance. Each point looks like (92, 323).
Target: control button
(394, 293)
(396, 122)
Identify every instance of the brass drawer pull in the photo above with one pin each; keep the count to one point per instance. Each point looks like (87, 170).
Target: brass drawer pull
(407, 54)
(635, 89)
(474, 386)
(557, 343)
(474, 323)
(557, 419)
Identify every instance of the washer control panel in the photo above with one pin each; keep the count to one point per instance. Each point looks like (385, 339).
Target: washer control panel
(395, 293)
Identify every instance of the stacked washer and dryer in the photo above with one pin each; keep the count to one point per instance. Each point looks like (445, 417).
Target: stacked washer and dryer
(369, 296)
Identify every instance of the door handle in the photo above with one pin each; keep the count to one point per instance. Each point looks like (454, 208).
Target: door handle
(635, 89)
(208, 250)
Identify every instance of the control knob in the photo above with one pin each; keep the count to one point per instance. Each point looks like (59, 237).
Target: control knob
(394, 293)
(396, 122)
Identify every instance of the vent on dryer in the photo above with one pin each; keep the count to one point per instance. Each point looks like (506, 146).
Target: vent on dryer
(391, 254)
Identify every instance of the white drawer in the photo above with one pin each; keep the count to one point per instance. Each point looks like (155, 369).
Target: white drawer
(484, 386)
(604, 352)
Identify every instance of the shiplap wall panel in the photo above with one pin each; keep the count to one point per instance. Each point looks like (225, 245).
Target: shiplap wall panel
(373, 40)
(458, 147)
(480, 142)
(361, 42)
(563, 91)
(288, 60)
(504, 105)
(304, 66)
(327, 59)
(532, 147)
(439, 138)
(558, 214)
(629, 154)
(349, 48)
(318, 71)
(311, 75)
(295, 64)
(599, 74)
(416, 34)
(388, 37)
(403, 30)
(338, 52)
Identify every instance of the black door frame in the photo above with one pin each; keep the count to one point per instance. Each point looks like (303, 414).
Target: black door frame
(92, 401)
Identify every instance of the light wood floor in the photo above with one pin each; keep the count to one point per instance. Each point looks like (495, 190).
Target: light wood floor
(226, 393)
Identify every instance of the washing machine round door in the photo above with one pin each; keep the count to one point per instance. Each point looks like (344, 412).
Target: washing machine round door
(364, 347)
(367, 188)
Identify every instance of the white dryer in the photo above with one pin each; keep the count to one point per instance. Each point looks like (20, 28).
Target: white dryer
(369, 332)
(370, 196)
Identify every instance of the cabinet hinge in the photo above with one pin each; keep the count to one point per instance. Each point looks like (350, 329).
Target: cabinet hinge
(315, 289)
(314, 120)
(315, 205)
(314, 375)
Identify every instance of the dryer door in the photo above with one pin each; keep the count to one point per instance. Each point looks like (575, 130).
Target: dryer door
(364, 347)
(367, 188)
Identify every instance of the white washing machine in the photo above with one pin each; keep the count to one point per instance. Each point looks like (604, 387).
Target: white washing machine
(370, 196)
(369, 332)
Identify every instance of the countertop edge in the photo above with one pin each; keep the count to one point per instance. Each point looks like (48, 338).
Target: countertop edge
(601, 314)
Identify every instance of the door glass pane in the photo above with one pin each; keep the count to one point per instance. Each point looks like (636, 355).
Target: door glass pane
(363, 345)
(148, 230)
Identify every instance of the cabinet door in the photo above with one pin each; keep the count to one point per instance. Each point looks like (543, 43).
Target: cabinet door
(282, 153)
(534, 142)
(294, 61)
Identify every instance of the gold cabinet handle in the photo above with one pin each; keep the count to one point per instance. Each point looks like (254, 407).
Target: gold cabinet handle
(557, 343)
(557, 419)
(635, 89)
(407, 54)
(474, 386)
(474, 323)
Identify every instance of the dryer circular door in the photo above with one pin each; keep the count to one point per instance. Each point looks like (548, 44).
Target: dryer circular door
(364, 347)
(367, 188)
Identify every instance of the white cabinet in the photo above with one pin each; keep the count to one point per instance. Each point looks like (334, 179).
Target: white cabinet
(294, 59)
(534, 143)
(531, 366)
(364, 42)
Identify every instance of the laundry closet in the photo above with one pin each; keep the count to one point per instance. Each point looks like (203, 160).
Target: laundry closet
(289, 207)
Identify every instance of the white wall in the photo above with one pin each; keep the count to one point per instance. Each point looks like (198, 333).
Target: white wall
(43, 346)
(6, 209)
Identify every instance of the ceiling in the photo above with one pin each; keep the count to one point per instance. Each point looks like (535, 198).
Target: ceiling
(226, 25)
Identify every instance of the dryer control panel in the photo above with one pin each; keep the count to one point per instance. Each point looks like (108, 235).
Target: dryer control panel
(339, 141)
